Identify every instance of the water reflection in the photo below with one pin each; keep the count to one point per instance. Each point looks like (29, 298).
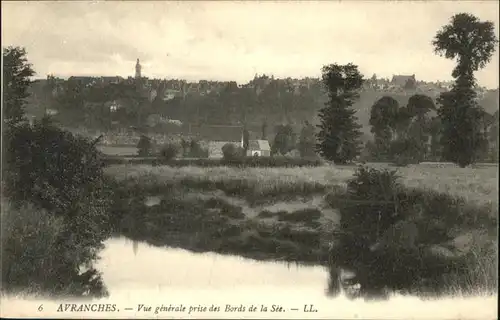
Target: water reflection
(135, 247)
(137, 274)
(125, 263)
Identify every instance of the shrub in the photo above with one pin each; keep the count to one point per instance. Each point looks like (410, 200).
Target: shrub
(145, 146)
(169, 151)
(31, 255)
(307, 141)
(184, 147)
(29, 246)
(196, 151)
(389, 234)
(61, 174)
(232, 152)
(405, 152)
(371, 204)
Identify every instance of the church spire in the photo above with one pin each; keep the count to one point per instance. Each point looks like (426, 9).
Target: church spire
(138, 70)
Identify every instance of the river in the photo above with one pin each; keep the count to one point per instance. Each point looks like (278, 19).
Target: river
(167, 280)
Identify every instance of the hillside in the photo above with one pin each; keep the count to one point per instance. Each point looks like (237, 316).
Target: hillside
(252, 104)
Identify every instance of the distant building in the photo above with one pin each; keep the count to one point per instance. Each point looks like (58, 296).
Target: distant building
(83, 80)
(91, 81)
(193, 88)
(111, 80)
(259, 148)
(80, 78)
(170, 94)
(404, 81)
(113, 105)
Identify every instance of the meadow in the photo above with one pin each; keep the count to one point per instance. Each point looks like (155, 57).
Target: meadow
(293, 214)
(477, 185)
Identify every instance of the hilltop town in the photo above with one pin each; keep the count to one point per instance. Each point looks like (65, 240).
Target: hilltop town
(207, 110)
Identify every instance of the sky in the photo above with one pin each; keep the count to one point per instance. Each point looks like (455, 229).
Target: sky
(228, 40)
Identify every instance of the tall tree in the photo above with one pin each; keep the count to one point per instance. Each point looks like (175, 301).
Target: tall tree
(16, 81)
(339, 133)
(471, 43)
(435, 133)
(264, 130)
(307, 141)
(419, 129)
(419, 105)
(384, 120)
(246, 140)
(285, 139)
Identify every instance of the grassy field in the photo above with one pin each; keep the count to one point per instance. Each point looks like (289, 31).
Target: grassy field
(478, 185)
(288, 213)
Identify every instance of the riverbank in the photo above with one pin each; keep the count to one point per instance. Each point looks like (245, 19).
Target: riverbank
(285, 214)
(228, 210)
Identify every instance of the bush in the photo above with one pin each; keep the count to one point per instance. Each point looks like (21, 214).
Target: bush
(61, 174)
(29, 247)
(31, 255)
(145, 146)
(232, 152)
(370, 206)
(405, 152)
(196, 151)
(169, 151)
(389, 234)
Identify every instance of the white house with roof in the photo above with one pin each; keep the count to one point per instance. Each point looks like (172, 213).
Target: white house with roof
(258, 148)
(218, 136)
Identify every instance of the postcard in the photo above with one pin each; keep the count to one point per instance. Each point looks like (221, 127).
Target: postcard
(250, 159)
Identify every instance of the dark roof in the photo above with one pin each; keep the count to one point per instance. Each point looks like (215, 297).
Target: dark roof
(115, 78)
(89, 78)
(402, 79)
(218, 133)
(253, 145)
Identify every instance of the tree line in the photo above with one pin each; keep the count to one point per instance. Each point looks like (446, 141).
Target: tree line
(78, 104)
(460, 132)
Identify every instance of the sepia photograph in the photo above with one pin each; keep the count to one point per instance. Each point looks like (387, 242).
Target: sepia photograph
(249, 159)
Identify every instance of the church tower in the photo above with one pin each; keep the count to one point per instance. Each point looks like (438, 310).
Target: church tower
(138, 70)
